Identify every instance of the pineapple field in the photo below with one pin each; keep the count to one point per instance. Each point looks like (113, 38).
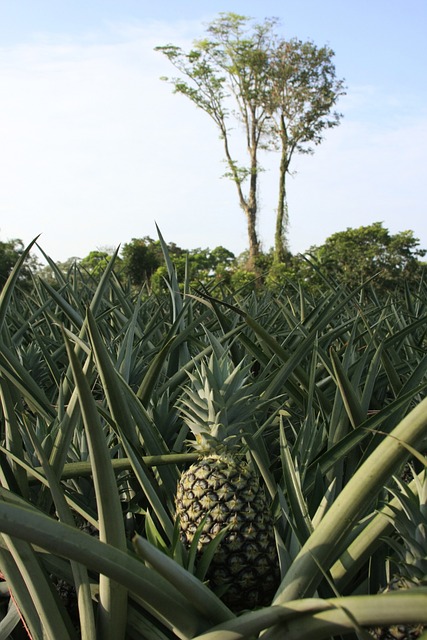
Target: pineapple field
(211, 465)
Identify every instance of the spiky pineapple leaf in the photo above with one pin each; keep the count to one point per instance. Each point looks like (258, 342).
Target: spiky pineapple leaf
(113, 597)
(154, 593)
(196, 592)
(45, 610)
(8, 287)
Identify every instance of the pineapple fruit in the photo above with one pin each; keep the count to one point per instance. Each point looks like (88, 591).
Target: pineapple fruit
(221, 491)
(410, 523)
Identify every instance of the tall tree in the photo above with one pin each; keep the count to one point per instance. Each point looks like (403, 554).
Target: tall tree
(227, 74)
(279, 91)
(304, 90)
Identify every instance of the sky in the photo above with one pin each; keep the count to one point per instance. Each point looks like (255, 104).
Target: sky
(95, 149)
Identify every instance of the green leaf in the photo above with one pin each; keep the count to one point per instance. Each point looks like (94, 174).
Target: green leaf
(13, 370)
(8, 287)
(138, 467)
(80, 574)
(155, 594)
(348, 393)
(203, 599)
(112, 597)
(146, 387)
(54, 621)
(294, 492)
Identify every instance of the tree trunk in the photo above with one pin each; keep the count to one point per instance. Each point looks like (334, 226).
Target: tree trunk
(280, 241)
(251, 214)
(249, 204)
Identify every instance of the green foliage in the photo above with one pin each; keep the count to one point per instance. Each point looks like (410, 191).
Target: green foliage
(91, 381)
(278, 276)
(143, 263)
(243, 281)
(356, 255)
(96, 262)
(141, 257)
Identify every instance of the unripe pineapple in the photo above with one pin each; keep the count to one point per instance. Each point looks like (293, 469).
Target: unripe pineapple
(410, 523)
(222, 490)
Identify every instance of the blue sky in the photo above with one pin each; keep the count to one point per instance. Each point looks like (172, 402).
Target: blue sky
(94, 148)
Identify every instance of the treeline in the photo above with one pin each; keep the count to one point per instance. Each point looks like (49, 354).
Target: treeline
(350, 257)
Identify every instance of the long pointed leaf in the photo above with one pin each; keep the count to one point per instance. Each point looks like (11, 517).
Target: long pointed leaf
(112, 597)
(8, 287)
(154, 593)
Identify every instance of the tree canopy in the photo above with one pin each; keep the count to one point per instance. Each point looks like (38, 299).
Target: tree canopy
(96, 261)
(355, 255)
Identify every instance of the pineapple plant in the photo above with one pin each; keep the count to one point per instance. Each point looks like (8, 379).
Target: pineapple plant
(410, 523)
(221, 491)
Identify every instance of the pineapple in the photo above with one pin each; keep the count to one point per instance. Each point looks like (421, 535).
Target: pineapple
(222, 490)
(410, 524)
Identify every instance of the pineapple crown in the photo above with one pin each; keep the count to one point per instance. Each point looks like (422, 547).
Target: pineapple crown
(219, 403)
